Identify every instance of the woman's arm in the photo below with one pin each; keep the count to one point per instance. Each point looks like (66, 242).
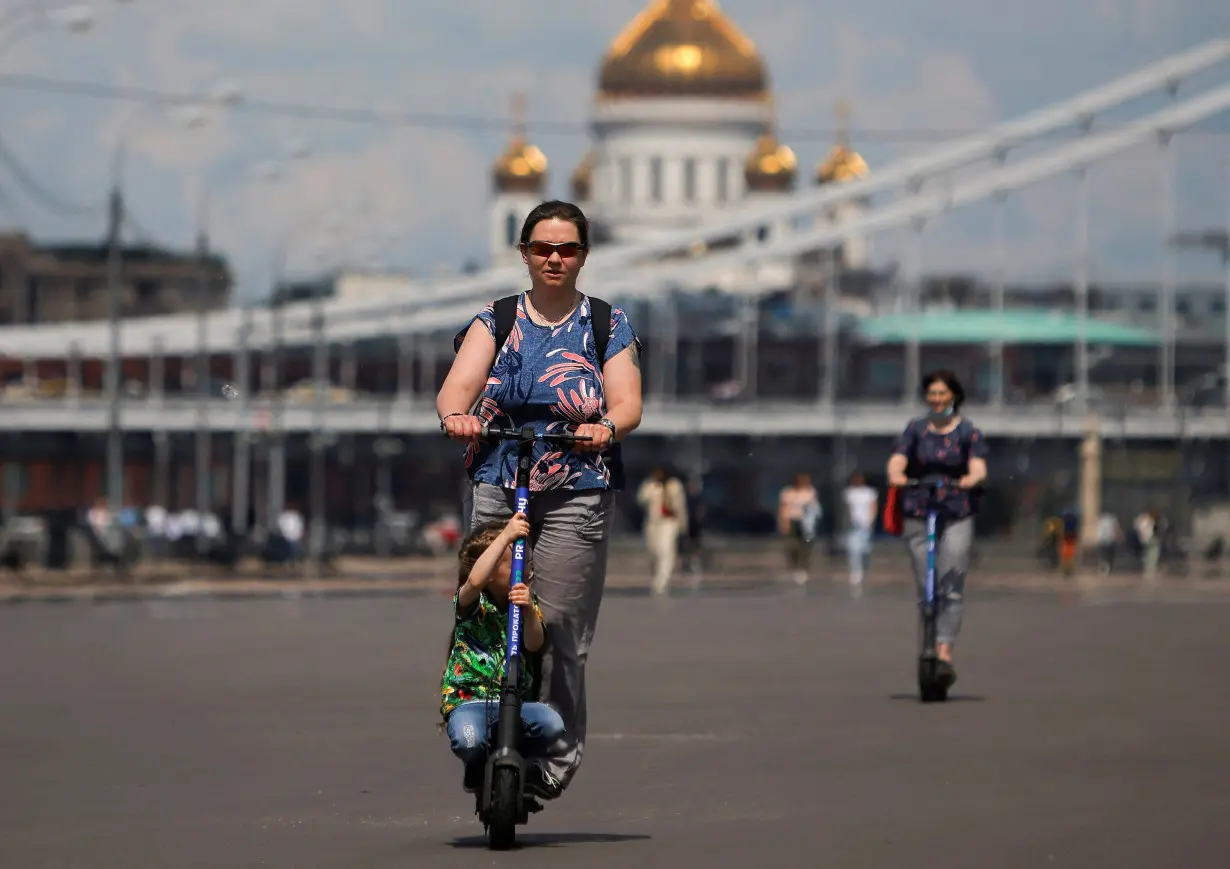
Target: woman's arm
(977, 474)
(621, 383)
(468, 376)
(903, 448)
(896, 469)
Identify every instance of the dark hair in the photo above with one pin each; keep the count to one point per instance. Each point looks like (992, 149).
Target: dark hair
(946, 377)
(472, 548)
(556, 209)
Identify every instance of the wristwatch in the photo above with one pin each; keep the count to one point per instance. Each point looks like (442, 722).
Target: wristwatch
(610, 425)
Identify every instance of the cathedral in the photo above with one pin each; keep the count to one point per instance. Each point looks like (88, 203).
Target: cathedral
(683, 126)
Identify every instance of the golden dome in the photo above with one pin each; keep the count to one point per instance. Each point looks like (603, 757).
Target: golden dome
(522, 168)
(770, 167)
(682, 48)
(583, 177)
(842, 164)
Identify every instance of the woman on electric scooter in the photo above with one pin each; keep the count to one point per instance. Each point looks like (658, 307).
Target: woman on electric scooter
(547, 375)
(477, 654)
(941, 444)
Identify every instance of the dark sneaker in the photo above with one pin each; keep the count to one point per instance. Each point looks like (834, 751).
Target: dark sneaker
(945, 674)
(472, 783)
(540, 782)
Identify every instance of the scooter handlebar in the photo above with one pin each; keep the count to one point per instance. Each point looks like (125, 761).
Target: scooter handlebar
(495, 433)
(935, 484)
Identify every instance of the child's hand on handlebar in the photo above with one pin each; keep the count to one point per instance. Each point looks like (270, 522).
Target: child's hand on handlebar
(898, 480)
(518, 526)
(519, 594)
(463, 427)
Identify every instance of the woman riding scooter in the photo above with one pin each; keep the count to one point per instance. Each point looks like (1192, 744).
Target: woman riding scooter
(942, 444)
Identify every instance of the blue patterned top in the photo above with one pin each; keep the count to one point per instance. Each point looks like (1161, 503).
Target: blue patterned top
(547, 377)
(930, 455)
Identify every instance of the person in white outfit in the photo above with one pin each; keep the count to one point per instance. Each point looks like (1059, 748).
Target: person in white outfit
(862, 504)
(666, 517)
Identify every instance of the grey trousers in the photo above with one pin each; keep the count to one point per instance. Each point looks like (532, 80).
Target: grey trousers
(951, 565)
(567, 551)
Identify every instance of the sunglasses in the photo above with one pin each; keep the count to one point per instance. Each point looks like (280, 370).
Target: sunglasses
(566, 250)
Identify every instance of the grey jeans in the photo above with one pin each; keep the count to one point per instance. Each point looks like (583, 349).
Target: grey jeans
(567, 551)
(951, 565)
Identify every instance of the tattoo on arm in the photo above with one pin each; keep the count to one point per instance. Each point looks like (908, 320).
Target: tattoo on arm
(635, 354)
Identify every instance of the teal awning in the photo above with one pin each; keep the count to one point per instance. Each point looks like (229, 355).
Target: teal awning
(1011, 327)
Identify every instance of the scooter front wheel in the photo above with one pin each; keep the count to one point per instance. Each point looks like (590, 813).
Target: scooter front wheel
(930, 688)
(502, 822)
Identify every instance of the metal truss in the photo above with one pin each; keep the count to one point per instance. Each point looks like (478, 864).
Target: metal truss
(613, 271)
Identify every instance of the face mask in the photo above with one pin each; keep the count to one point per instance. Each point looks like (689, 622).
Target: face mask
(940, 417)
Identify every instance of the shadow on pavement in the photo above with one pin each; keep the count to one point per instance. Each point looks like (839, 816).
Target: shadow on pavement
(952, 698)
(553, 840)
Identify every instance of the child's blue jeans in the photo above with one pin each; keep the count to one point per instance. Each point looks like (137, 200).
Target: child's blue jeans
(469, 724)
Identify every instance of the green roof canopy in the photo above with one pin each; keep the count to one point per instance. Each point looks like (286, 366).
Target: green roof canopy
(1011, 327)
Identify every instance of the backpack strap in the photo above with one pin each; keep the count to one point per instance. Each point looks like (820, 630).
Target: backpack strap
(505, 312)
(505, 317)
(600, 323)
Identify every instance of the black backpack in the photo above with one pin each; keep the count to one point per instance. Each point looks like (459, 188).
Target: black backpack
(599, 314)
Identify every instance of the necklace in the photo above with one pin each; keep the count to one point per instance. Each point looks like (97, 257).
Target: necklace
(546, 321)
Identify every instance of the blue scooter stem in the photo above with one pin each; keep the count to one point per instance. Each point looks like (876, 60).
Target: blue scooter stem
(931, 535)
(518, 575)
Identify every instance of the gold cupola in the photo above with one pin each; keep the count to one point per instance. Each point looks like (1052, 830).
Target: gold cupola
(521, 167)
(771, 167)
(682, 48)
(842, 163)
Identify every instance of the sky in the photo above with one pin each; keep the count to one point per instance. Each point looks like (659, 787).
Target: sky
(415, 197)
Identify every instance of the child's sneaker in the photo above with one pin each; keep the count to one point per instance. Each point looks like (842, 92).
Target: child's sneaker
(541, 783)
(472, 782)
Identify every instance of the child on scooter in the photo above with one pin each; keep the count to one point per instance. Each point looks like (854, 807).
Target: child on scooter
(470, 687)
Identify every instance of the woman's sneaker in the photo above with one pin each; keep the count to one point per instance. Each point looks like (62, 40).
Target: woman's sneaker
(541, 783)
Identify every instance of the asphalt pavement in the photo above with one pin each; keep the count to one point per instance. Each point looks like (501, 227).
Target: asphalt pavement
(727, 729)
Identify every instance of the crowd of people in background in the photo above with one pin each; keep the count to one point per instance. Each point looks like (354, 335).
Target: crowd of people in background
(1146, 540)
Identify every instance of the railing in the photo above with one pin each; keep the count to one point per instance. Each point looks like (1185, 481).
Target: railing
(370, 414)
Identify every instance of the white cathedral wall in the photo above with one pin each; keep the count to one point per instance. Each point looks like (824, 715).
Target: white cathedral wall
(667, 163)
(508, 211)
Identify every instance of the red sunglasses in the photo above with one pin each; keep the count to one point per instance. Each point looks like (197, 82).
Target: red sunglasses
(566, 250)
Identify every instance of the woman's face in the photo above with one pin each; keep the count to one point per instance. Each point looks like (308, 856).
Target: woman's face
(554, 254)
(939, 396)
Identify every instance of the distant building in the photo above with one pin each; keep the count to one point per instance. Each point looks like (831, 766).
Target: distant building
(683, 126)
(67, 282)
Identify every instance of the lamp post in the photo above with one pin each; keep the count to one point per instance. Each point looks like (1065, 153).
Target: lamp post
(320, 441)
(115, 220)
(204, 395)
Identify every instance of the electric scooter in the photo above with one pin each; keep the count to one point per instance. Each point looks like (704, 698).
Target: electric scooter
(930, 688)
(502, 803)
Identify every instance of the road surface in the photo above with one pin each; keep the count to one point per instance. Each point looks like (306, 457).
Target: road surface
(747, 728)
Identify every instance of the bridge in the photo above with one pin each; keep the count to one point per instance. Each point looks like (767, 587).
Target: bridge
(908, 193)
(417, 415)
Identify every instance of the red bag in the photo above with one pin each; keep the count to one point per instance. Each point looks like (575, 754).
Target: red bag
(893, 516)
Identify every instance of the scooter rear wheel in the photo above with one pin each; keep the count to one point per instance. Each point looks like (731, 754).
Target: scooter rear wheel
(502, 823)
